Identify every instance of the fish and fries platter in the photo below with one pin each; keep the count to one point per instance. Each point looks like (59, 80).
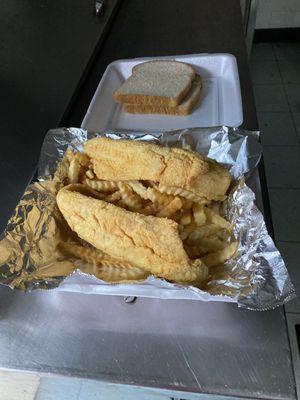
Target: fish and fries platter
(164, 214)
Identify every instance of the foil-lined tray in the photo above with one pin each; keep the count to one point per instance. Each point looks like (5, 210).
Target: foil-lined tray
(256, 279)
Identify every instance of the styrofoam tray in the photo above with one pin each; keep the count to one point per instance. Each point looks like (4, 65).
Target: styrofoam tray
(220, 102)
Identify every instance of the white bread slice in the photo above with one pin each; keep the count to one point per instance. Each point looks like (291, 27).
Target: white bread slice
(157, 83)
(183, 108)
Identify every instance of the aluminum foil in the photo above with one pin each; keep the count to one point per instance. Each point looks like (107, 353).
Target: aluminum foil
(256, 279)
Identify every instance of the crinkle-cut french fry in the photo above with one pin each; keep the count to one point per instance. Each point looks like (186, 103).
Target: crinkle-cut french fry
(170, 208)
(74, 170)
(88, 254)
(175, 191)
(150, 193)
(199, 214)
(131, 200)
(90, 174)
(82, 158)
(223, 234)
(115, 274)
(110, 198)
(78, 162)
(220, 256)
(139, 189)
(69, 155)
(102, 186)
(186, 204)
(94, 193)
(213, 243)
(176, 216)
(186, 217)
(157, 197)
(150, 209)
(217, 219)
(202, 231)
(102, 265)
(195, 251)
(186, 230)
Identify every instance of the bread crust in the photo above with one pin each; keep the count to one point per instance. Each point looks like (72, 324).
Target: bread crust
(145, 99)
(181, 109)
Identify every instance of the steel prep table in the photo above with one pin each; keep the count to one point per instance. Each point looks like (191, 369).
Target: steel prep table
(179, 347)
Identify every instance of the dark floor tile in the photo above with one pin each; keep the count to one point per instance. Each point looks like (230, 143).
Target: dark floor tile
(282, 165)
(277, 129)
(264, 72)
(296, 117)
(290, 71)
(262, 51)
(270, 98)
(291, 255)
(285, 208)
(293, 94)
(287, 51)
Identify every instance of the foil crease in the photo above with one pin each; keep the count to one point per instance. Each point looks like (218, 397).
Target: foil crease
(256, 279)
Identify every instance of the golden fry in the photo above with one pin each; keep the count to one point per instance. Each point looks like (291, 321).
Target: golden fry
(170, 208)
(82, 159)
(195, 251)
(150, 209)
(131, 200)
(110, 198)
(74, 169)
(213, 243)
(139, 189)
(90, 174)
(103, 266)
(220, 256)
(102, 186)
(186, 217)
(183, 193)
(69, 155)
(186, 204)
(201, 231)
(157, 197)
(199, 214)
(217, 219)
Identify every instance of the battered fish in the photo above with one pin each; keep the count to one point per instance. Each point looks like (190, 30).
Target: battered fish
(147, 242)
(174, 167)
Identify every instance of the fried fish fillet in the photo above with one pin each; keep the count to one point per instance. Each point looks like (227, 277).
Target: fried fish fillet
(175, 167)
(146, 242)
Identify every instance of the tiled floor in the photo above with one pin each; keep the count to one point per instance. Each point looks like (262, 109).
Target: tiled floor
(275, 72)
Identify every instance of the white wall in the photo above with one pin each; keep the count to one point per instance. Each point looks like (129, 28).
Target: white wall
(278, 14)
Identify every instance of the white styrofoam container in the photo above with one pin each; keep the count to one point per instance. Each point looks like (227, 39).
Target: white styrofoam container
(220, 102)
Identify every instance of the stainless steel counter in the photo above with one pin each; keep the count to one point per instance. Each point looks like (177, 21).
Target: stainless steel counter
(180, 345)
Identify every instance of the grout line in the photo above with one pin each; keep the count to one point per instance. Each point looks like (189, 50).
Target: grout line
(281, 145)
(270, 84)
(287, 241)
(283, 188)
(292, 312)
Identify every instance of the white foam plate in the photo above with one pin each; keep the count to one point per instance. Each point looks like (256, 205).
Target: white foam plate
(220, 102)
